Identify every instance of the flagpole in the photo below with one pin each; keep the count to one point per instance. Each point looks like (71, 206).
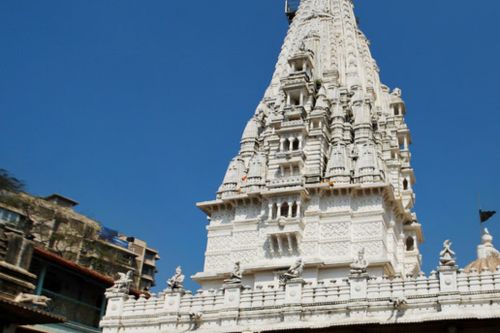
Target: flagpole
(479, 213)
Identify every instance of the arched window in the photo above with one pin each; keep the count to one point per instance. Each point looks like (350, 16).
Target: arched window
(286, 145)
(295, 145)
(410, 244)
(405, 184)
(284, 209)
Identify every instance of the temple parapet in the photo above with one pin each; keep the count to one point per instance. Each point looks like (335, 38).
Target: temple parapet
(328, 303)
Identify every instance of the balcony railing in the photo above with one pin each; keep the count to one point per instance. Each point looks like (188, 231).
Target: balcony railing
(286, 181)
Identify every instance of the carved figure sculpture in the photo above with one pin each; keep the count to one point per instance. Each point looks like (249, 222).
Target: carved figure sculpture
(397, 92)
(39, 300)
(447, 256)
(123, 283)
(360, 265)
(236, 275)
(295, 271)
(177, 280)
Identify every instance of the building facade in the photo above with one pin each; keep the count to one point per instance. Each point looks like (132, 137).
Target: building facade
(49, 251)
(313, 225)
(53, 224)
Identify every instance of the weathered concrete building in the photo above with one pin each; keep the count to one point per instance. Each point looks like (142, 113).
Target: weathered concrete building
(313, 225)
(56, 264)
(53, 224)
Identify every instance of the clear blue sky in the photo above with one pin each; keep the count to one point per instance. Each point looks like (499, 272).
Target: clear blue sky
(134, 108)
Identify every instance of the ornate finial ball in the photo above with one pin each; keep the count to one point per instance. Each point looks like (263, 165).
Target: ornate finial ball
(486, 238)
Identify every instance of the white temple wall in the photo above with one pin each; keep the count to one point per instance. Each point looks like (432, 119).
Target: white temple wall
(333, 227)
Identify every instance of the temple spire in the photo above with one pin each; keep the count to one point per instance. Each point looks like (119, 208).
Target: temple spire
(324, 167)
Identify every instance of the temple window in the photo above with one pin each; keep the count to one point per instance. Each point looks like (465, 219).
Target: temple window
(284, 209)
(294, 209)
(410, 244)
(405, 184)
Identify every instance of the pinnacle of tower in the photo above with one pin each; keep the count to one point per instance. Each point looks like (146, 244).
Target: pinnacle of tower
(323, 169)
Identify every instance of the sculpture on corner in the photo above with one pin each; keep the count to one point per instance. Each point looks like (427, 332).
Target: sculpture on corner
(236, 275)
(360, 265)
(177, 280)
(122, 285)
(294, 272)
(447, 256)
(36, 300)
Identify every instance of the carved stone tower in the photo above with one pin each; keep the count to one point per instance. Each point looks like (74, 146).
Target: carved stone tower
(324, 166)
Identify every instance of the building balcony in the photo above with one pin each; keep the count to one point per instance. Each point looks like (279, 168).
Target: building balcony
(295, 112)
(286, 181)
(292, 124)
(150, 262)
(296, 80)
(286, 156)
(284, 243)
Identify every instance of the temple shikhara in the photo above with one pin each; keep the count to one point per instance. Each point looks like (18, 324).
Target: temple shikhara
(312, 227)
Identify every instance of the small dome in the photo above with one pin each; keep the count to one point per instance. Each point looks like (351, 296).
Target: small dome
(488, 258)
(251, 130)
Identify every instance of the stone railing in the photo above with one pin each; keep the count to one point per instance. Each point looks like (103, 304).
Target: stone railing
(297, 304)
(286, 181)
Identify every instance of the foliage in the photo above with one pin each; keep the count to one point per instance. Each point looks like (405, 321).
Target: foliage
(9, 182)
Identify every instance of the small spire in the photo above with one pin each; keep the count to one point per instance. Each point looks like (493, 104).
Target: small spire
(488, 257)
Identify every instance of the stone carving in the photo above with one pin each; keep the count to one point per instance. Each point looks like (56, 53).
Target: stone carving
(177, 280)
(122, 285)
(447, 256)
(37, 300)
(397, 92)
(399, 303)
(236, 275)
(360, 265)
(294, 272)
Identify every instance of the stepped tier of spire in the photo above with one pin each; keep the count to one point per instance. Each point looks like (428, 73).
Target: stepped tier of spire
(324, 165)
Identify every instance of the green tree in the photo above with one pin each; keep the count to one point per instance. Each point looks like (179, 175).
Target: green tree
(10, 183)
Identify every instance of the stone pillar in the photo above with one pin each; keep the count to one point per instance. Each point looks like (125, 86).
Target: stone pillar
(448, 278)
(232, 297)
(293, 298)
(359, 286)
(116, 300)
(173, 300)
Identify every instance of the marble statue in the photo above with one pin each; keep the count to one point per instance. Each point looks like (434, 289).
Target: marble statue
(360, 265)
(236, 275)
(177, 280)
(447, 256)
(122, 285)
(294, 272)
(38, 300)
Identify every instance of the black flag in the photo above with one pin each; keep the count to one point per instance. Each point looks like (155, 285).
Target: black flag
(485, 215)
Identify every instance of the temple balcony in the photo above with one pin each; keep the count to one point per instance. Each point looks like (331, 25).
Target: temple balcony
(294, 112)
(284, 243)
(299, 80)
(290, 156)
(292, 125)
(288, 181)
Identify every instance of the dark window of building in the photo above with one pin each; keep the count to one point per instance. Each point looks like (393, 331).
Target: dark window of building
(284, 209)
(74, 296)
(410, 244)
